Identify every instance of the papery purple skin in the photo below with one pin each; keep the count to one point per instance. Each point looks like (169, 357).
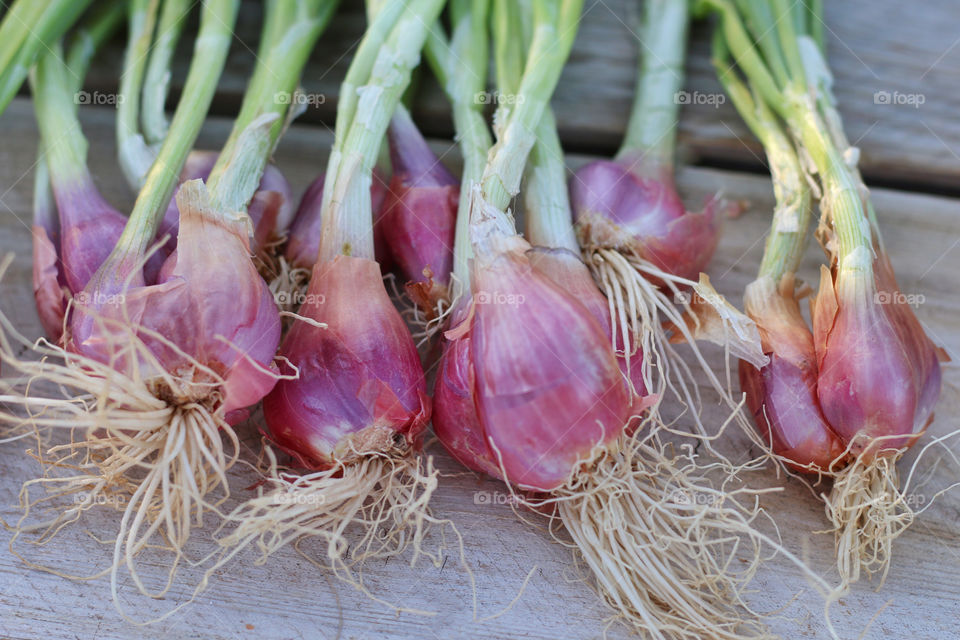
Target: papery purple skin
(782, 396)
(89, 229)
(411, 156)
(50, 291)
(546, 386)
(420, 210)
(198, 165)
(618, 205)
(879, 371)
(361, 385)
(209, 306)
(865, 380)
(568, 272)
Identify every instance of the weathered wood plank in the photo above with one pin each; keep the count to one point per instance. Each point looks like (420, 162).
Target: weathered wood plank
(874, 46)
(288, 598)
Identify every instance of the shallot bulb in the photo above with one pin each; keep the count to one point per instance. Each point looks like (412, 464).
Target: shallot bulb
(782, 396)
(360, 387)
(528, 381)
(864, 380)
(618, 205)
(419, 214)
(568, 272)
(72, 236)
(208, 314)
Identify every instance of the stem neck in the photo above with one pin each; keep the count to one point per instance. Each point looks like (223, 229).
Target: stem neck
(842, 202)
(461, 69)
(546, 201)
(60, 130)
(209, 56)
(411, 155)
(652, 130)
(553, 33)
(290, 32)
(40, 23)
(136, 157)
(156, 82)
(347, 209)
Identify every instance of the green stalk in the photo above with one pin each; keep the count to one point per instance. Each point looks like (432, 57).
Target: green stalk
(508, 45)
(810, 116)
(56, 18)
(841, 202)
(156, 81)
(815, 22)
(791, 50)
(549, 219)
(791, 218)
(85, 43)
(741, 47)
(360, 68)
(546, 200)
(91, 35)
(291, 30)
(63, 141)
(369, 102)
(555, 26)
(135, 155)
(460, 67)
(19, 21)
(652, 129)
(209, 56)
(762, 25)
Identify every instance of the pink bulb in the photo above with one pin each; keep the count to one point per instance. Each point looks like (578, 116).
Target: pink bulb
(546, 388)
(879, 372)
(271, 208)
(89, 229)
(568, 272)
(616, 206)
(783, 394)
(361, 387)
(209, 310)
(420, 211)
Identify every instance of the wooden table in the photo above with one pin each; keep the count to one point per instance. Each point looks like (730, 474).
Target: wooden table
(909, 157)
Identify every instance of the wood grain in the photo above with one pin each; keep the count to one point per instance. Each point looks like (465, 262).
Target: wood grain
(289, 598)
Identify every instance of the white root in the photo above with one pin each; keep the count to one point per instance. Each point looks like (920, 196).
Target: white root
(375, 505)
(152, 444)
(287, 283)
(641, 310)
(670, 550)
(868, 512)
